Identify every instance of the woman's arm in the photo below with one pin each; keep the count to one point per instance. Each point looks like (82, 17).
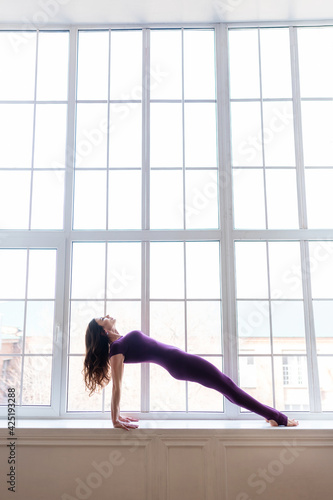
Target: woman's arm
(117, 369)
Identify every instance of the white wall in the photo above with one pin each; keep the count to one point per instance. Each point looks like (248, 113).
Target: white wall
(175, 464)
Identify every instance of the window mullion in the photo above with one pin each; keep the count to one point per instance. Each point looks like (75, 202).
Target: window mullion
(59, 344)
(68, 209)
(226, 214)
(312, 363)
(311, 349)
(300, 177)
(145, 291)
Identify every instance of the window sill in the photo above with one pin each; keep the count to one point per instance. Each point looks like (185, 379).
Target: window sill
(209, 425)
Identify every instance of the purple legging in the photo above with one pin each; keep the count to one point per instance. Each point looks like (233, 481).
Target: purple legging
(138, 347)
(196, 369)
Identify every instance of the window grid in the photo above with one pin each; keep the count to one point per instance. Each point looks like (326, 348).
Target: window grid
(270, 319)
(238, 235)
(57, 168)
(263, 149)
(27, 351)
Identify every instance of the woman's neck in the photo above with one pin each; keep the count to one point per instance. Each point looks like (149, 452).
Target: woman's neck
(113, 335)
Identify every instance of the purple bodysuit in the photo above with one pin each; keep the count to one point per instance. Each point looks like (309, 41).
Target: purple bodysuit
(139, 348)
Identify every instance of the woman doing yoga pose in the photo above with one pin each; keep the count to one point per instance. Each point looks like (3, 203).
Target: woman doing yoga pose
(106, 348)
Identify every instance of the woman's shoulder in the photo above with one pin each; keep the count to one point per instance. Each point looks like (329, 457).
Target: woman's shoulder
(124, 338)
(134, 333)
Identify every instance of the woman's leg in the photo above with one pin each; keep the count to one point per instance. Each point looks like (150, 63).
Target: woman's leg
(196, 369)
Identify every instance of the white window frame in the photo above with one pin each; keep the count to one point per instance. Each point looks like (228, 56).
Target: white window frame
(62, 240)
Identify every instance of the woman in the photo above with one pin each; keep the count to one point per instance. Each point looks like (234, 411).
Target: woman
(106, 348)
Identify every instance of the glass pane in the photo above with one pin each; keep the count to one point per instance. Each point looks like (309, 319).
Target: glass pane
(48, 200)
(284, 268)
(317, 127)
(246, 134)
(319, 202)
(39, 327)
(167, 323)
(90, 199)
(82, 312)
(124, 199)
(88, 271)
(251, 270)
(315, 47)
(52, 76)
(326, 382)
(323, 321)
(200, 135)
(291, 383)
(255, 375)
(279, 134)
(10, 369)
(130, 389)
(126, 64)
(124, 271)
(167, 270)
(91, 135)
(288, 326)
(93, 65)
(50, 136)
(14, 199)
(282, 207)
(16, 121)
(207, 339)
(321, 269)
(17, 60)
(166, 191)
(275, 62)
(13, 272)
(199, 64)
(202, 398)
(166, 135)
(127, 314)
(125, 130)
(253, 327)
(42, 271)
(249, 199)
(36, 388)
(203, 280)
(11, 327)
(166, 392)
(201, 206)
(244, 64)
(78, 396)
(166, 64)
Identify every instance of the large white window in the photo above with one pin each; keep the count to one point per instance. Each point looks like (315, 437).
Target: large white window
(282, 159)
(179, 179)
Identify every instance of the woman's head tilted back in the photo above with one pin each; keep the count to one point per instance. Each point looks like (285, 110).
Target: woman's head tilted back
(96, 364)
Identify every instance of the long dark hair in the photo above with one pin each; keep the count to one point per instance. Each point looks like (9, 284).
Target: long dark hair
(96, 368)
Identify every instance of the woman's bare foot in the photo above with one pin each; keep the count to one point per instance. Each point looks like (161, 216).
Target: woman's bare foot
(291, 423)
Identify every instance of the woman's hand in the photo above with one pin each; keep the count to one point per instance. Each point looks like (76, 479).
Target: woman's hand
(126, 423)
